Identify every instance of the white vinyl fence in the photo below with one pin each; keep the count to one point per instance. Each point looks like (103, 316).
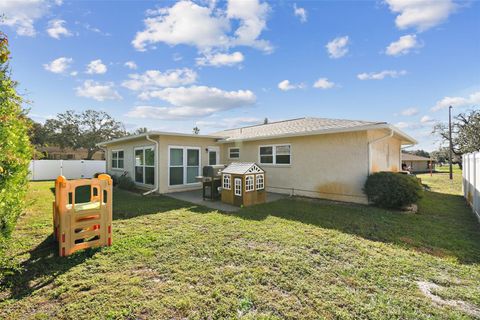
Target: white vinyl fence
(71, 169)
(471, 180)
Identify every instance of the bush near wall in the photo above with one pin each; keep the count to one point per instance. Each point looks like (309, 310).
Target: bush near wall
(15, 149)
(392, 190)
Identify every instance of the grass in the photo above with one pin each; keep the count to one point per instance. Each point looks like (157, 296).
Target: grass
(289, 259)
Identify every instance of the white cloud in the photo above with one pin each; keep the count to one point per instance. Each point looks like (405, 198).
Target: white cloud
(421, 14)
(426, 119)
(409, 112)
(220, 59)
(96, 67)
(154, 79)
(59, 65)
(337, 48)
(131, 65)
(203, 97)
(206, 27)
(98, 91)
(194, 101)
(285, 85)
(74, 73)
(301, 13)
(403, 45)
(471, 100)
(381, 75)
(402, 125)
(56, 29)
(323, 83)
(228, 123)
(22, 14)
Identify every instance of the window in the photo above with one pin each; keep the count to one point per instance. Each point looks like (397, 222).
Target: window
(238, 187)
(275, 154)
(117, 159)
(234, 153)
(184, 165)
(249, 186)
(226, 181)
(260, 182)
(144, 165)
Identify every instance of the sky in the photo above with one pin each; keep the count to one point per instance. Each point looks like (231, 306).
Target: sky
(171, 66)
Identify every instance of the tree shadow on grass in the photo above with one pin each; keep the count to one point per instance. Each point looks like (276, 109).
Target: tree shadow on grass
(41, 268)
(131, 204)
(443, 226)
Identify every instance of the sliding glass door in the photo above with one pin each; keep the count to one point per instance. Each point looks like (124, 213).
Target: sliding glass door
(145, 165)
(184, 165)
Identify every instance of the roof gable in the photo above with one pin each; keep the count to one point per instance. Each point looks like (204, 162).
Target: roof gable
(242, 168)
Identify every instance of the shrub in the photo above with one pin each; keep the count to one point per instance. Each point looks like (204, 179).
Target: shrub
(15, 148)
(392, 190)
(125, 182)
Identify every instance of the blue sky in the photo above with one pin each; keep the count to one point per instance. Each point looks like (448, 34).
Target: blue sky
(173, 65)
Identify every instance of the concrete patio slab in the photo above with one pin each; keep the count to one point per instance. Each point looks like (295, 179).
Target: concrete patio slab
(195, 196)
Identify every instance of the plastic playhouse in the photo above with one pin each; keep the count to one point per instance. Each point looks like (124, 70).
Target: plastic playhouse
(78, 226)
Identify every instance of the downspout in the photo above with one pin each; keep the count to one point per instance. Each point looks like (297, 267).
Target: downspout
(370, 148)
(156, 166)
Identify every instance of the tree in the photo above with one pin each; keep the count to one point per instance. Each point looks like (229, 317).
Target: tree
(83, 130)
(36, 133)
(265, 121)
(140, 131)
(196, 130)
(465, 132)
(15, 148)
(421, 153)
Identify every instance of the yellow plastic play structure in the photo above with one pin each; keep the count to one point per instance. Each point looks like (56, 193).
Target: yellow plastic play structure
(78, 226)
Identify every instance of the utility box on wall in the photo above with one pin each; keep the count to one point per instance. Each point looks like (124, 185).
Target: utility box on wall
(243, 184)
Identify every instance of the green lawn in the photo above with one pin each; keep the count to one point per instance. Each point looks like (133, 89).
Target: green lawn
(289, 259)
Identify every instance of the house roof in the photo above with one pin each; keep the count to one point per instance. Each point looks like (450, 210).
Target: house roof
(413, 157)
(242, 168)
(303, 127)
(157, 133)
(287, 128)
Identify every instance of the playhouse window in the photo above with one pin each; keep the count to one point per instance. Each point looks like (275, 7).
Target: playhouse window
(145, 165)
(238, 187)
(184, 165)
(227, 181)
(249, 184)
(234, 153)
(117, 159)
(275, 154)
(260, 182)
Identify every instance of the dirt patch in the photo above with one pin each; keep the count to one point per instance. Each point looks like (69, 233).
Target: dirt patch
(427, 287)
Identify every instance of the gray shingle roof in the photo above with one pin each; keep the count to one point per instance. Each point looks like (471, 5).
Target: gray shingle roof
(240, 167)
(413, 157)
(294, 126)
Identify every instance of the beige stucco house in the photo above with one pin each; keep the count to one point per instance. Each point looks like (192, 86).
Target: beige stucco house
(314, 157)
(417, 164)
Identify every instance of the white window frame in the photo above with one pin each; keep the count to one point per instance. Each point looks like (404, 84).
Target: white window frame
(260, 181)
(229, 153)
(237, 191)
(249, 183)
(274, 154)
(118, 158)
(184, 165)
(227, 181)
(144, 165)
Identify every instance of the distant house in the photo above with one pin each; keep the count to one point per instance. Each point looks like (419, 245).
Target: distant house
(416, 163)
(57, 153)
(314, 157)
